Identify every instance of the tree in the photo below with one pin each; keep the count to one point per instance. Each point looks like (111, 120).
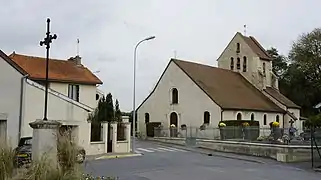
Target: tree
(304, 76)
(279, 62)
(118, 113)
(110, 113)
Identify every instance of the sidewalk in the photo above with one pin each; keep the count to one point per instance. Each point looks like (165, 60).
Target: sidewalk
(254, 159)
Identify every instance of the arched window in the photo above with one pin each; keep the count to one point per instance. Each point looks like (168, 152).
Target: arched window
(252, 117)
(206, 117)
(264, 119)
(238, 48)
(146, 118)
(264, 68)
(239, 116)
(232, 63)
(238, 63)
(244, 63)
(174, 96)
(277, 118)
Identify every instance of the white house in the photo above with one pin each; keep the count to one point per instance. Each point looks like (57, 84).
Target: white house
(242, 87)
(72, 95)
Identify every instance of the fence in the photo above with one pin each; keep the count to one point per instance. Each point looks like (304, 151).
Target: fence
(235, 133)
(315, 138)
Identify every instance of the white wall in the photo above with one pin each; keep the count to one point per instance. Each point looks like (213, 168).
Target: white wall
(10, 99)
(87, 93)
(258, 116)
(64, 110)
(193, 102)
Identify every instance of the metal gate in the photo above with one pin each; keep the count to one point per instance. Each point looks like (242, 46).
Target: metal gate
(316, 147)
(190, 139)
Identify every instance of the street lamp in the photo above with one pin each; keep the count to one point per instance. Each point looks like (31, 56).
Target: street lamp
(47, 40)
(134, 91)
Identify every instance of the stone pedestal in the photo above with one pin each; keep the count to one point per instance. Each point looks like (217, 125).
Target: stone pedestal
(44, 140)
(105, 128)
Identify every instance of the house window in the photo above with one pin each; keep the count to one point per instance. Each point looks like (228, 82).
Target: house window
(252, 117)
(239, 116)
(73, 92)
(238, 63)
(238, 48)
(206, 117)
(232, 63)
(264, 119)
(146, 118)
(244, 64)
(174, 96)
(277, 118)
(264, 68)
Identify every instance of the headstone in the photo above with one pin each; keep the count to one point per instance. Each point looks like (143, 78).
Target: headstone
(44, 140)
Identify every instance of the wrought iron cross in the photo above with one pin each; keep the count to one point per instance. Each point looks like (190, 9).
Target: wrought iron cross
(47, 40)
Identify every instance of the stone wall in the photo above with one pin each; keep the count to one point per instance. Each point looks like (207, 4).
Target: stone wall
(282, 153)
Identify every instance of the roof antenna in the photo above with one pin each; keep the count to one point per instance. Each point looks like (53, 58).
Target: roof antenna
(244, 29)
(77, 47)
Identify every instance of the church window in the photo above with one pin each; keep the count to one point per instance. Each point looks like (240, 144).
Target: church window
(238, 63)
(252, 117)
(146, 118)
(264, 119)
(232, 63)
(238, 48)
(264, 68)
(174, 96)
(239, 116)
(277, 118)
(206, 117)
(244, 63)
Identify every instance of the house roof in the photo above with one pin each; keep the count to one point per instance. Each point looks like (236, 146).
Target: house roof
(59, 70)
(228, 89)
(280, 97)
(256, 47)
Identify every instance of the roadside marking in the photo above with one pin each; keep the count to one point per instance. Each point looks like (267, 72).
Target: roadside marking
(166, 149)
(146, 150)
(156, 149)
(117, 156)
(176, 149)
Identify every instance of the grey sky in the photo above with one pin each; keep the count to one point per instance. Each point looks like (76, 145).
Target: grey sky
(108, 30)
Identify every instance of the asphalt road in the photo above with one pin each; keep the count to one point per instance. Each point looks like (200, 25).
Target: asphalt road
(166, 163)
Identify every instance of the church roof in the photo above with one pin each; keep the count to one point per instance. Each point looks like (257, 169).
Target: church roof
(228, 89)
(256, 47)
(280, 97)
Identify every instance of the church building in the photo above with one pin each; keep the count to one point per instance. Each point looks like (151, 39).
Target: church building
(242, 87)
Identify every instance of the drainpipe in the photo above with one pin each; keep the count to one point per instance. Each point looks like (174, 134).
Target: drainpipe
(23, 78)
(222, 115)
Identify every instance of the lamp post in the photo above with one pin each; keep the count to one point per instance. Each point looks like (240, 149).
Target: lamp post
(47, 40)
(134, 90)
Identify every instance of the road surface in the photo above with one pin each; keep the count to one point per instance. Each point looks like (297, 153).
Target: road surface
(160, 162)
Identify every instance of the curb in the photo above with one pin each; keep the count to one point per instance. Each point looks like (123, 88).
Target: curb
(211, 154)
(117, 156)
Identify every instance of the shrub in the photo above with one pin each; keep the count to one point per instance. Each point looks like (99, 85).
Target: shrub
(6, 160)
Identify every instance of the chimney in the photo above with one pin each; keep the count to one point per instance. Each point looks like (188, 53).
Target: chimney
(76, 60)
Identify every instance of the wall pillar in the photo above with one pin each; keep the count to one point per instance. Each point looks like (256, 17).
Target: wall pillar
(44, 140)
(105, 128)
(127, 133)
(114, 134)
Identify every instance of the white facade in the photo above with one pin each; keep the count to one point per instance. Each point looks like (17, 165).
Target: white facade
(18, 91)
(192, 102)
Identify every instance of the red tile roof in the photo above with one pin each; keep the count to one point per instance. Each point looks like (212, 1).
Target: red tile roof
(59, 70)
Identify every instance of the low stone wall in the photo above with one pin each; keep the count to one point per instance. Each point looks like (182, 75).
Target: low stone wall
(282, 153)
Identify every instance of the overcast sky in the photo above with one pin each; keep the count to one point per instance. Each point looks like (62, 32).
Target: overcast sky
(198, 30)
